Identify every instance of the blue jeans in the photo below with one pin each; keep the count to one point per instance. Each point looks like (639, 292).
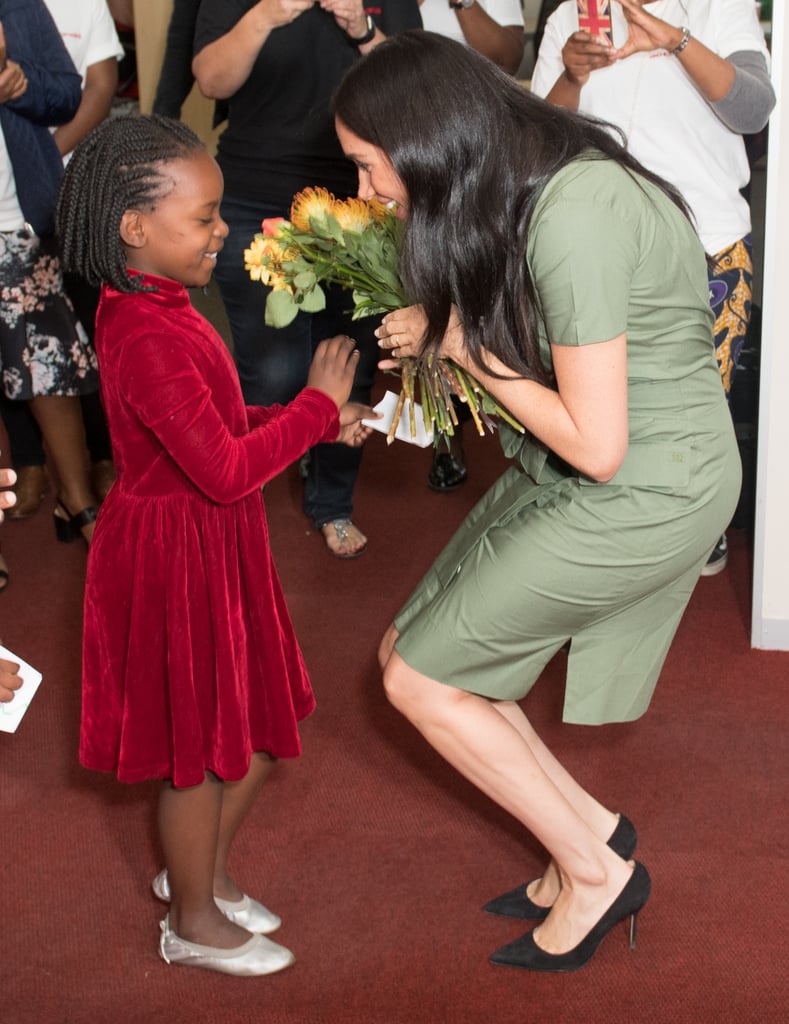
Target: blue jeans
(273, 363)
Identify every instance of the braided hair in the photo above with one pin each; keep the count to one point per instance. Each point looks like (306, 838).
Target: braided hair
(117, 167)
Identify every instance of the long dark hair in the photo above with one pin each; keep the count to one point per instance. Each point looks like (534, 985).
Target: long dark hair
(118, 166)
(473, 149)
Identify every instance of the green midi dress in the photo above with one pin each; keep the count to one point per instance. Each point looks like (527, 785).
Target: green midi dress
(550, 556)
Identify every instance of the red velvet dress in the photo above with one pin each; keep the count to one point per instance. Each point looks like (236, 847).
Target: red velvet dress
(190, 661)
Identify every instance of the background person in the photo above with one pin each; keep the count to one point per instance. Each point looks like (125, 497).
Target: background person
(277, 63)
(88, 33)
(45, 356)
(708, 60)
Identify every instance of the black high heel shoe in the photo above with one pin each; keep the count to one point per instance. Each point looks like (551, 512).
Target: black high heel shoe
(516, 902)
(526, 954)
(69, 527)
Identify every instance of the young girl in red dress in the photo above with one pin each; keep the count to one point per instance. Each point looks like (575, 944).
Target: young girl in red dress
(191, 670)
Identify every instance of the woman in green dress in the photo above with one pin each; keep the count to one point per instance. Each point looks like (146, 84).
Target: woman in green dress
(544, 259)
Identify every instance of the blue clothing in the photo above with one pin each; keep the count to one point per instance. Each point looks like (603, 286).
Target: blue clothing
(52, 97)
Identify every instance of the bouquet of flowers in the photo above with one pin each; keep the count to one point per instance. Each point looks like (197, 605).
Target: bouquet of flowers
(356, 244)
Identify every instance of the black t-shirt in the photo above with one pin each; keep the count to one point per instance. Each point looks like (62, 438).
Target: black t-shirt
(280, 136)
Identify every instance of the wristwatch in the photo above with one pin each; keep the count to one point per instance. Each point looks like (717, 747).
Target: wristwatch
(461, 4)
(368, 35)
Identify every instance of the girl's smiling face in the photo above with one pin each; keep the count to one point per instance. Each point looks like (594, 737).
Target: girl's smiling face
(377, 178)
(181, 235)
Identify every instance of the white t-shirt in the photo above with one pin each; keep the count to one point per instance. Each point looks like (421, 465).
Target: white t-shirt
(88, 31)
(11, 217)
(670, 128)
(438, 16)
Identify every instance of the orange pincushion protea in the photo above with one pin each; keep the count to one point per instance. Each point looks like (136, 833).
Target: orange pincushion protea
(311, 202)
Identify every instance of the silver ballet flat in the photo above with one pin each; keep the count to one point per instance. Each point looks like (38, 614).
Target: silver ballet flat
(257, 956)
(246, 912)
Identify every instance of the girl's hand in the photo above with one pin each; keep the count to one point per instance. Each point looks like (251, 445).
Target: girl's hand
(646, 32)
(352, 431)
(402, 332)
(333, 368)
(584, 53)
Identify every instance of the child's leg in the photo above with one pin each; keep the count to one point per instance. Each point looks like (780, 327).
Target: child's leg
(189, 825)
(237, 798)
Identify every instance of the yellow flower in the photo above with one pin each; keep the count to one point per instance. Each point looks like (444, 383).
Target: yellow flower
(352, 214)
(263, 261)
(311, 202)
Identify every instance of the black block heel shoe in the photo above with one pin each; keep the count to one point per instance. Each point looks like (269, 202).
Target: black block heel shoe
(68, 527)
(516, 902)
(447, 473)
(526, 954)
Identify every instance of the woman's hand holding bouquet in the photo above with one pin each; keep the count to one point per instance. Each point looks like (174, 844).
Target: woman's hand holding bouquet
(355, 244)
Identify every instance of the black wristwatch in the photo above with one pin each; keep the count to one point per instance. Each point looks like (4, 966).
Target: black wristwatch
(368, 35)
(457, 5)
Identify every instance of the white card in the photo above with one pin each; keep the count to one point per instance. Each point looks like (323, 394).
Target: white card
(12, 711)
(387, 407)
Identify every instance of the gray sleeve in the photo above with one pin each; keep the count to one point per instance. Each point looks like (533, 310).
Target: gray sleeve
(748, 104)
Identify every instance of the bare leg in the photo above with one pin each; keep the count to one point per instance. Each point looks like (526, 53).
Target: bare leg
(543, 891)
(601, 821)
(189, 822)
(491, 753)
(60, 420)
(237, 798)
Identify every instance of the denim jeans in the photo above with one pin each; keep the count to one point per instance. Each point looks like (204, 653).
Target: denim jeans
(273, 363)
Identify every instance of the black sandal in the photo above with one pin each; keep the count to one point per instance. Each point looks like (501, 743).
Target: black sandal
(69, 527)
(3, 573)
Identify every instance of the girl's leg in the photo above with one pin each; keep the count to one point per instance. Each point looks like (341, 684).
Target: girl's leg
(60, 420)
(237, 798)
(189, 824)
(491, 753)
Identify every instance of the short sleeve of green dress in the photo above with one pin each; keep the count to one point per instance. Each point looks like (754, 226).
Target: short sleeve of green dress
(549, 556)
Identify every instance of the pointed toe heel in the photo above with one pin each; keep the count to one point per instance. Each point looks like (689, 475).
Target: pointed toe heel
(516, 902)
(527, 955)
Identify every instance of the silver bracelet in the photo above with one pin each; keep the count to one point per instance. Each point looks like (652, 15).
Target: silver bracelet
(683, 43)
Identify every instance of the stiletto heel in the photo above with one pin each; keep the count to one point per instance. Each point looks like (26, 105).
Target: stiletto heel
(516, 902)
(69, 527)
(525, 953)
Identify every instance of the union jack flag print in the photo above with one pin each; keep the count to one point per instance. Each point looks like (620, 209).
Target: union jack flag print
(594, 17)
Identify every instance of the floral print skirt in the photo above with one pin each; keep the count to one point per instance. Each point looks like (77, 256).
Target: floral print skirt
(44, 350)
(731, 284)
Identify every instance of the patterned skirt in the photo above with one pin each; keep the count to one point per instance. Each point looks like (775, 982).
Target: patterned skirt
(731, 285)
(43, 348)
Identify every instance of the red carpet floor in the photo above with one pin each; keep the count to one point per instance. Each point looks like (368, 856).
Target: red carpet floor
(375, 854)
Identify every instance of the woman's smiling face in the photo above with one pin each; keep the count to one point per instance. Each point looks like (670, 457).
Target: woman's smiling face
(377, 178)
